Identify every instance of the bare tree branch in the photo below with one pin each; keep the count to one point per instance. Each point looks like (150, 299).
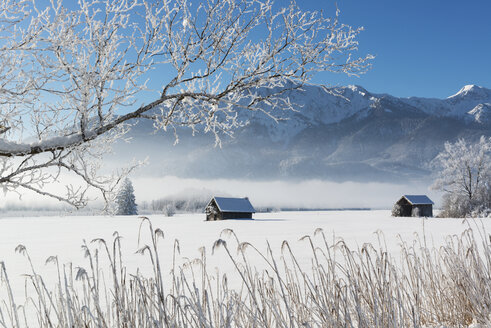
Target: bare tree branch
(72, 79)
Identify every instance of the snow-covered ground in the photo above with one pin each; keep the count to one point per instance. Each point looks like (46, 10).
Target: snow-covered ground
(63, 236)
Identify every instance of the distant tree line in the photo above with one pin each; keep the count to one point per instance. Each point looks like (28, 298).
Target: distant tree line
(171, 205)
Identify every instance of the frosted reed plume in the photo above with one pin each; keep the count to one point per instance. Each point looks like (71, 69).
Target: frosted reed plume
(343, 287)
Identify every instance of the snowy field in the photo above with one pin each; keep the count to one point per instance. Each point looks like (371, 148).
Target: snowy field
(63, 236)
(44, 237)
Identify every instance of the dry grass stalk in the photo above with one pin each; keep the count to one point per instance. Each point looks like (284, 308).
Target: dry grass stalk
(366, 287)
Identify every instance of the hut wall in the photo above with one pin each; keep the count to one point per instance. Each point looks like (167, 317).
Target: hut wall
(424, 210)
(406, 208)
(236, 215)
(227, 215)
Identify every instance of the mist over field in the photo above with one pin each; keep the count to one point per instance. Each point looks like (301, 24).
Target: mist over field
(283, 194)
(275, 194)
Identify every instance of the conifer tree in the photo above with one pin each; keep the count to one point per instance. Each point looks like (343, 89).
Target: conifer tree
(125, 200)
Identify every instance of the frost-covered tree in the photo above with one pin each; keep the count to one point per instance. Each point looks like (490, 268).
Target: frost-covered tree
(125, 199)
(169, 210)
(74, 78)
(464, 175)
(397, 210)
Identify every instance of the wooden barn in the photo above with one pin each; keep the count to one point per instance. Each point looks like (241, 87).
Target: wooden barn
(413, 205)
(223, 208)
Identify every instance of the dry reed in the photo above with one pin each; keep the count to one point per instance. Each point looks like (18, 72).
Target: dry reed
(366, 287)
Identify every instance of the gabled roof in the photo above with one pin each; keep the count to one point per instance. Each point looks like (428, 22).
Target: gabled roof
(418, 199)
(234, 204)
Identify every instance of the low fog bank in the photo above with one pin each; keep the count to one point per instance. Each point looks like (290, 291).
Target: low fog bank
(317, 194)
(308, 194)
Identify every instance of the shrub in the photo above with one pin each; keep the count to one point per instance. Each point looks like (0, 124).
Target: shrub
(397, 210)
(169, 210)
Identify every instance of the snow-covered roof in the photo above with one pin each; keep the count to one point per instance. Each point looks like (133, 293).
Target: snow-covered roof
(418, 199)
(234, 205)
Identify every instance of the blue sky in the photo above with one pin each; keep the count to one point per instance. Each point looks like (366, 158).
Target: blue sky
(427, 48)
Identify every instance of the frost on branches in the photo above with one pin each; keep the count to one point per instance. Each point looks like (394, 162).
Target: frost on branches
(74, 79)
(125, 199)
(464, 175)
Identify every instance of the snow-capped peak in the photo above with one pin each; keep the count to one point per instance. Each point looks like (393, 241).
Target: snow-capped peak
(468, 89)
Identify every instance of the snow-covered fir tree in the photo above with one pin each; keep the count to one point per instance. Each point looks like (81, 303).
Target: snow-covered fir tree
(125, 200)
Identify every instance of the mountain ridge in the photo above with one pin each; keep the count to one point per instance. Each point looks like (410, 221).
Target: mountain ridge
(337, 133)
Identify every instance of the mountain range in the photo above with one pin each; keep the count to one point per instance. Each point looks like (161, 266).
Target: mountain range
(337, 133)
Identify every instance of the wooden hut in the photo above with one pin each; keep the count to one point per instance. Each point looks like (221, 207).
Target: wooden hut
(413, 205)
(223, 208)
